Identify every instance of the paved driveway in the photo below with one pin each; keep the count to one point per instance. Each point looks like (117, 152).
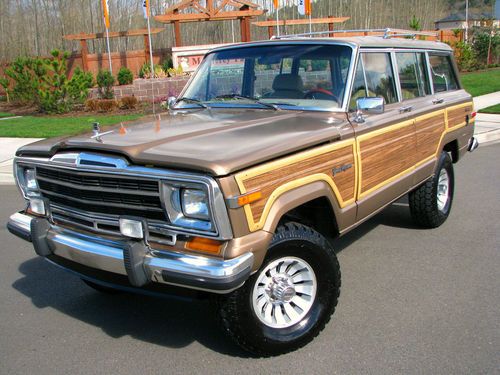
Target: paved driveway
(413, 301)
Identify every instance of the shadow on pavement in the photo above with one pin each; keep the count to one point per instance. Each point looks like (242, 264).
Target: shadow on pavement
(165, 321)
(169, 322)
(396, 215)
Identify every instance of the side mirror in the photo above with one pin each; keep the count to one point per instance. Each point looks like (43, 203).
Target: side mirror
(171, 101)
(373, 105)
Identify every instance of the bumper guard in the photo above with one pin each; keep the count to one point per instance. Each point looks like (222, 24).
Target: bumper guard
(133, 258)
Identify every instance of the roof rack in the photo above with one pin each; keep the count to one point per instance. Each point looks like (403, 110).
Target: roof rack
(386, 33)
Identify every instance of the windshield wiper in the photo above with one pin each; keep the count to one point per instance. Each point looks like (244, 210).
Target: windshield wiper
(243, 97)
(193, 101)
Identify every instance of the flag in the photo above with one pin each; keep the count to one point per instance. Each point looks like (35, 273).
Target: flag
(276, 4)
(145, 8)
(105, 10)
(302, 7)
(308, 7)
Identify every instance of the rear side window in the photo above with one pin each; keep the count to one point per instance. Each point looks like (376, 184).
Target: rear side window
(412, 75)
(379, 76)
(443, 75)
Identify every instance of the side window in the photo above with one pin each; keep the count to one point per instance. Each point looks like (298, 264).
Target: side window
(443, 76)
(359, 86)
(412, 75)
(379, 76)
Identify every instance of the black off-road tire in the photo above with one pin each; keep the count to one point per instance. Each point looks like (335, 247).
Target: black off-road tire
(236, 312)
(101, 288)
(423, 200)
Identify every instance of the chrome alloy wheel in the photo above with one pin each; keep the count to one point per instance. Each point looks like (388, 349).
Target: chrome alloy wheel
(443, 189)
(284, 292)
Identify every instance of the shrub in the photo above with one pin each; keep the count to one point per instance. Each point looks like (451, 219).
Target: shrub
(484, 41)
(466, 60)
(145, 70)
(125, 76)
(91, 105)
(25, 83)
(172, 72)
(167, 64)
(4, 82)
(106, 105)
(105, 82)
(415, 23)
(44, 82)
(79, 85)
(128, 102)
(53, 83)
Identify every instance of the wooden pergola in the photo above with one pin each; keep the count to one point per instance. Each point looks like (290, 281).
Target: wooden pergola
(82, 37)
(213, 11)
(271, 24)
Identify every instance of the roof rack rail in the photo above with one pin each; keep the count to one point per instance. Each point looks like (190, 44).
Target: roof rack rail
(386, 33)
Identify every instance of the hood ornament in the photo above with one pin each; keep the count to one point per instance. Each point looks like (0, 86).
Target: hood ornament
(96, 128)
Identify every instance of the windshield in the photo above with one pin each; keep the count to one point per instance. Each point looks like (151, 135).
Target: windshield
(299, 76)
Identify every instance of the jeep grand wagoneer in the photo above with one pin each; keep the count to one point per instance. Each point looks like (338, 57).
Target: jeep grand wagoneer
(272, 151)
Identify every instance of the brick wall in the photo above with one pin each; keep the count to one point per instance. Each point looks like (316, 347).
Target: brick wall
(145, 89)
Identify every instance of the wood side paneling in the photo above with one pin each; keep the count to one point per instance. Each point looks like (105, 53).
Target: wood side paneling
(457, 116)
(429, 131)
(267, 182)
(386, 155)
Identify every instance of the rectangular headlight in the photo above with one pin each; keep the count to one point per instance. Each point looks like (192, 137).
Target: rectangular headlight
(195, 204)
(26, 180)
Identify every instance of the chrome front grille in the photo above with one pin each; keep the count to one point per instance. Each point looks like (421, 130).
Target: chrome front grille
(92, 191)
(95, 201)
(102, 194)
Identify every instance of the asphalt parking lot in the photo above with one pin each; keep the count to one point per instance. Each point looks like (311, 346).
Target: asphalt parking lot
(413, 301)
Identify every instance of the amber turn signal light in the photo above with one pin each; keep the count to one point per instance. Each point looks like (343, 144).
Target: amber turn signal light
(249, 198)
(205, 245)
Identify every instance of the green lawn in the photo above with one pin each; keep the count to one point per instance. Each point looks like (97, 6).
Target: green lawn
(5, 114)
(52, 126)
(493, 109)
(481, 83)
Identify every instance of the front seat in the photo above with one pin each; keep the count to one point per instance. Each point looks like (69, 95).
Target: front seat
(288, 86)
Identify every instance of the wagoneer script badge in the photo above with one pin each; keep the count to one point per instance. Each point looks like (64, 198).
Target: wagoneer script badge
(342, 168)
(96, 128)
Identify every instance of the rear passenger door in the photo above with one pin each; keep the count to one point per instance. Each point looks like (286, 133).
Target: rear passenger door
(418, 102)
(386, 142)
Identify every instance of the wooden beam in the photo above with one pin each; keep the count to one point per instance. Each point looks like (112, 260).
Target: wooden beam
(146, 47)
(177, 32)
(324, 20)
(221, 16)
(182, 5)
(113, 34)
(270, 29)
(330, 27)
(85, 55)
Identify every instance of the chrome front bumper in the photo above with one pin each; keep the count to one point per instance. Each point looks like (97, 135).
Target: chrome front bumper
(133, 258)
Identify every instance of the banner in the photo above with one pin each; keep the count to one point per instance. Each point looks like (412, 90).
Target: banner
(145, 8)
(105, 10)
(304, 7)
(308, 7)
(276, 4)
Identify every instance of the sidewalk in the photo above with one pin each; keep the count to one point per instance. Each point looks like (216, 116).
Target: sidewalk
(487, 129)
(8, 147)
(484, 101)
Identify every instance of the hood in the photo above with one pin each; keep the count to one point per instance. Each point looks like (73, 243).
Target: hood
(217, 141)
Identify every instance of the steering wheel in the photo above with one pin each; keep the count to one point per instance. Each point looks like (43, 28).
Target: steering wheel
(319, 93)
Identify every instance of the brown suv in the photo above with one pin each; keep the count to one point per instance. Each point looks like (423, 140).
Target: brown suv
(272, 151)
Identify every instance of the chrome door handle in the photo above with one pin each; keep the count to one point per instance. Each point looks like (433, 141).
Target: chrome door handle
(407, 108)
(438, 101)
